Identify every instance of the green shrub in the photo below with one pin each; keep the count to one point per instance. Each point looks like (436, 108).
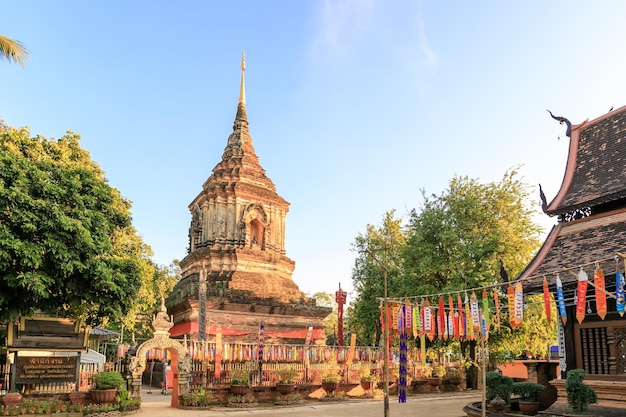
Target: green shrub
(528, 390)
(198, 398)
(240, 377)
(107, 380)
(579, 395)
(367, 375)
(331, 376)
(499, 385)
(286, 375)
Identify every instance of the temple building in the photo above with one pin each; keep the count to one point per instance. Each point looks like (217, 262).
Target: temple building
(237, 262)
(590, 238)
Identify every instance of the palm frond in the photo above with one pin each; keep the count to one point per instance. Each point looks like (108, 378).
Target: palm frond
(12, 50)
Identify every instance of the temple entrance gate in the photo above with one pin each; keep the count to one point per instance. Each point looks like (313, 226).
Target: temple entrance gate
(181, 361)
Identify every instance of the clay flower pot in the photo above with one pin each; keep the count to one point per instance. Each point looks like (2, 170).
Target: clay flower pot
(284, 389)
(239, 389)
(330, 386)
(103, 396)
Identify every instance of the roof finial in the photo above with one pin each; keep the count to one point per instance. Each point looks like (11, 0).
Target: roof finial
(242, 88)
(561, 120)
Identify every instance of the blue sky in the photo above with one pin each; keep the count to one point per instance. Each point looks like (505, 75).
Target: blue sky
(354, 105)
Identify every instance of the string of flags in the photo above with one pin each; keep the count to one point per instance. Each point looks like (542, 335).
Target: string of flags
(469, 317)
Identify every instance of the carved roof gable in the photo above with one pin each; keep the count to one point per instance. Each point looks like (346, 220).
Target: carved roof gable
(596, 165)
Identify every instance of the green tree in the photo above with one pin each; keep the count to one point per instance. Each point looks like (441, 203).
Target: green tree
(67, 245)
(157, 281)
(326, 299)
(12, 50)
(458, 238)
(379, 249)
(533, 337)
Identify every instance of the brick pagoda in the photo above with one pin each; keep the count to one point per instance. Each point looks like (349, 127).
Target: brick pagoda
(237, 252)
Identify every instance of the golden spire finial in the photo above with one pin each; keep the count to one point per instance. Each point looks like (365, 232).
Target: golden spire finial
(242, 88)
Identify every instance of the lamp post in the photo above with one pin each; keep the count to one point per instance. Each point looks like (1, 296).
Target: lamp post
(385, 323)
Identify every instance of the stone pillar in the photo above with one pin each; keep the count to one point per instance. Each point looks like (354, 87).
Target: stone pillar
(220, 220)
(205, 221)
(542, 372)
(135, 386)
(281, 232)
(231, 221)
(210, 220)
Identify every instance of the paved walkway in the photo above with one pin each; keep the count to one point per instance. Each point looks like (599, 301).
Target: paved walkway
(448, 405)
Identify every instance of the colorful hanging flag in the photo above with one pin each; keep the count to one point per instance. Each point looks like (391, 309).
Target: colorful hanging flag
(441, 317)
(519, 304)
(352, 350)
(561, 300)
(454, 331)
(433, 325)
(600, 284)
(496, 299)
(394, 315)
(402, 371)
(427, 316)
(475, 313)
(581, 295)
(469, 325)
(417, 322)
(415, 311)
(620, 293)
(510, 294)
(486, 310)
(218, 352)
(546, 299)
(408, 317)
(460, 318)
(423, 349)
(484, 329)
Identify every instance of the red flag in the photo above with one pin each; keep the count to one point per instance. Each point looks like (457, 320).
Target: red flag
(496, 298)
(441, 317)
(510, 293)
(583, 281)
(546, 299)
(461, 321)
(598, 279)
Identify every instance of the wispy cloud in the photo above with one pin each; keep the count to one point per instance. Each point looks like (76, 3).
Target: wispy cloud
(429, 57)
(342, 21)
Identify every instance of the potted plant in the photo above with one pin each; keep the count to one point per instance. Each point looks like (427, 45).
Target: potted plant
(435, 382)
(499, 386)
(454, 378)
(330, 380)
(421, 378)
(528, 391)
(240, 382)
(368, 380)
(579, 395)
(286, 384)
(104, 386)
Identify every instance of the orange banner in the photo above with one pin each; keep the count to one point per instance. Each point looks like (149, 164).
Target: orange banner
(598, 279)
(583, 281)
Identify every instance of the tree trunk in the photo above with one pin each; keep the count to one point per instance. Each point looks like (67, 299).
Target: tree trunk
(378, 331)
(468, 349)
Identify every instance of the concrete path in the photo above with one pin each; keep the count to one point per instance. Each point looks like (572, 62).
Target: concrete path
(449, 405)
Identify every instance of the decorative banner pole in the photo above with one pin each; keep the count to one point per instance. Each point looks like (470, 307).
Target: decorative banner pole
(340, 298)
(202, 317)
(260, 352)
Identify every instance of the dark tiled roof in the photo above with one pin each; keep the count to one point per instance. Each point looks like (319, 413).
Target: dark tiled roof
(582, 242)
(596, 167)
